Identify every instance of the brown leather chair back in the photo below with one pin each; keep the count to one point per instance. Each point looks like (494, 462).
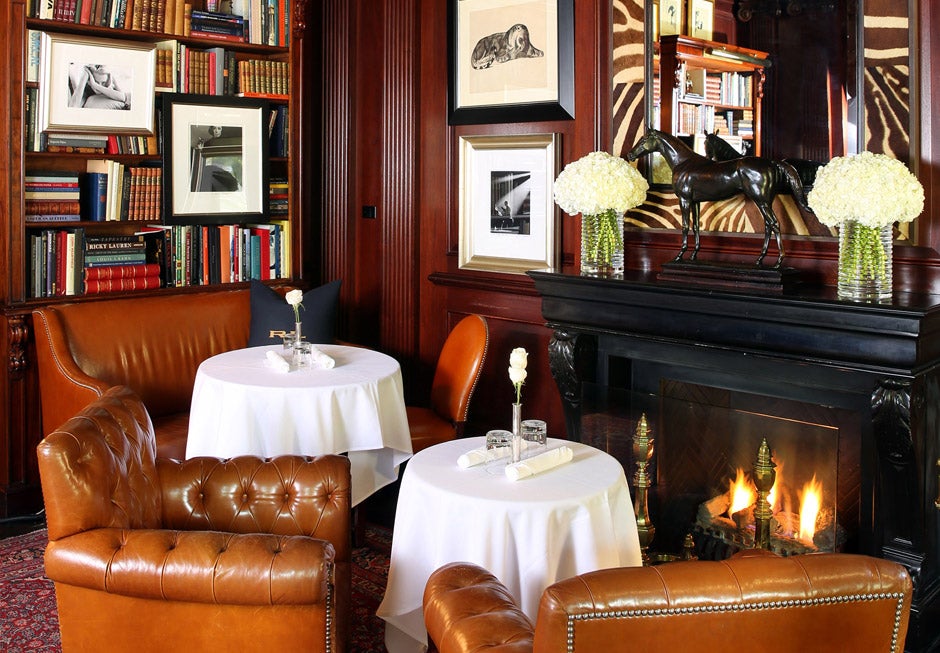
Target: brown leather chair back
(756, 601)
(458, 368)
(101, 474)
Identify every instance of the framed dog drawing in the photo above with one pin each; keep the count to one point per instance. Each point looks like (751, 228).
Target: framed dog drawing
(511, 60)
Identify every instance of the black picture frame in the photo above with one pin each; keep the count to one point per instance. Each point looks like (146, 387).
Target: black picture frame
(514, 106)
(215, 159)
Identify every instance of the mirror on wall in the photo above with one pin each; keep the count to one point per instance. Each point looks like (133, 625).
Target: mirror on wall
(802, 80)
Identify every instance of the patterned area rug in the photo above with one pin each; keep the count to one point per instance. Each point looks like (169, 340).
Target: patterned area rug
(28, 619)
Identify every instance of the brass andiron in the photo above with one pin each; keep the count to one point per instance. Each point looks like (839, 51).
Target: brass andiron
(642, 453)
(764, 476)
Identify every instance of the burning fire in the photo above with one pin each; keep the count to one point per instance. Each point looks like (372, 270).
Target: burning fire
(743, 494)
(810, 501)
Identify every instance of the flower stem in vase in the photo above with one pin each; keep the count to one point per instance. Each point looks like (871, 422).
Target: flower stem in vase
(516, 432)
(297, 334)
(865, 261)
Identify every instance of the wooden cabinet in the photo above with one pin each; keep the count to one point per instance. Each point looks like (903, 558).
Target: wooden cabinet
(28, 161)
(703, 86)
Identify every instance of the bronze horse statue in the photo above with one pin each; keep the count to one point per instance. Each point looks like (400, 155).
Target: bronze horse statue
(718, 149)
(697, 179)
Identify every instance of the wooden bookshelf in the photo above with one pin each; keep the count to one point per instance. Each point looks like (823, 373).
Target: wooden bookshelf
(708, 86)
(283, 53)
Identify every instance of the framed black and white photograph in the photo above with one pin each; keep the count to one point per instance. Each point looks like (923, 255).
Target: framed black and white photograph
(511, 60)
(671, 17)
(507, 216)
(701, 19)
(95, 85)
(215, 159)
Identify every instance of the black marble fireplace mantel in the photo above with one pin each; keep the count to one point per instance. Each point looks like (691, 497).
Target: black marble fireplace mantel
(880, 361)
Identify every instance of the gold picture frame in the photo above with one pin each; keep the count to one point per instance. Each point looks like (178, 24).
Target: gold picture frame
(507, 214)
(701, 19)
(671, 17)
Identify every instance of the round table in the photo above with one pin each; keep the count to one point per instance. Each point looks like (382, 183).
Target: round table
(243, 406)
(530, 533)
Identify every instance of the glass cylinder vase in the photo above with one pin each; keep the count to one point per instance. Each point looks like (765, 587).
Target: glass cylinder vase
(602, 243)
(516, 432)
(865, 261)
(297, 334)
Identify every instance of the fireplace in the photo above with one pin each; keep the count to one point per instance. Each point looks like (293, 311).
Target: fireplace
(702, 482)
(717, 371)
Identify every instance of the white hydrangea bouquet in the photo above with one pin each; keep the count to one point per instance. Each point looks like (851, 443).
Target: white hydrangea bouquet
(862, 194)
(601, 187)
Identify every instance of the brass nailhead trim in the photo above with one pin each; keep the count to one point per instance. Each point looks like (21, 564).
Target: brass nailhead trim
(737, 607)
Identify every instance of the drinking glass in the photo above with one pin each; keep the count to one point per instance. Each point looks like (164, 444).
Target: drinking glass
(534, 431)
(498, 450)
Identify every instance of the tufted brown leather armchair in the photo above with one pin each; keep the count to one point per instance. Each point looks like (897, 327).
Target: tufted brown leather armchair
(149, 554)
(754, 601)
(455, 378)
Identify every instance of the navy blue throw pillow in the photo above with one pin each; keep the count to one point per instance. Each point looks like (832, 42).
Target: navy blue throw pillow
(272, 316)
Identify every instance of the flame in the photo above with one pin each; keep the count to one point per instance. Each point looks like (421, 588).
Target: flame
(742, 493)
(811, 499)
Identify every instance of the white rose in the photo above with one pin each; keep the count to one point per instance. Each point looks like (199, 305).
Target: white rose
(518, 358)
(294, 297)
(517, 375)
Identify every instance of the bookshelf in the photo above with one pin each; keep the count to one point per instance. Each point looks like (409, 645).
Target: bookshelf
(56, 245)
(707, 86)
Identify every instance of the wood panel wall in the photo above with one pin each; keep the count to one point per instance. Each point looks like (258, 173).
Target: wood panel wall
(387, 144)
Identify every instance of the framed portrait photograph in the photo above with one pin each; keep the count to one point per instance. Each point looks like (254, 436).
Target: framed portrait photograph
(671, 17)
(701, 19)
(507, 216)
(511, 60)
(215, 159)
(95, 85)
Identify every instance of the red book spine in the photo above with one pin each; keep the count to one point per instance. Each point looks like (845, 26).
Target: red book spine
(116, 285)
(121, 271)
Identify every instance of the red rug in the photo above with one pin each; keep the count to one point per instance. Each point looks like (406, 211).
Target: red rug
(28, 620)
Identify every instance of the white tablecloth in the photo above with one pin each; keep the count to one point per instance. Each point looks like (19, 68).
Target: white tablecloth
(242, 406)
(530, 533)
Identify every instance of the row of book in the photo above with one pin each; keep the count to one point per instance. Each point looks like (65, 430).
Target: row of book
(70, 261)
(51, 196)
(107, 191)
(217, 71)
(199, 255)
(67, 262)
(264, 22)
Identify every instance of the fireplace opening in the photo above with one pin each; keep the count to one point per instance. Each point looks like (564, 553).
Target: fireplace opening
(701, 472)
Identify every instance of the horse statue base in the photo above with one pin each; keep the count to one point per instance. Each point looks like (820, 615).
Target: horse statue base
(730, 277)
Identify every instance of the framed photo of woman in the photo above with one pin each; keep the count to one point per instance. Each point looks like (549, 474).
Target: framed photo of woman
(95, 85)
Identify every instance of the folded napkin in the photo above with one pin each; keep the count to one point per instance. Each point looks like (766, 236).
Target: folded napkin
(481, 455)
(321, 360)
(540, 463)
(276, 362)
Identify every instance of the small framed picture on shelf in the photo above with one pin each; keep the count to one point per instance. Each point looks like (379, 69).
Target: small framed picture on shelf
(701, 19)
(671, 17)
(507, 216)
(511, 60)
(215, 159)
(95, 85)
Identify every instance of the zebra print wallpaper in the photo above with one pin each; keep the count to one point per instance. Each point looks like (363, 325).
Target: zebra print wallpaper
(887, 117)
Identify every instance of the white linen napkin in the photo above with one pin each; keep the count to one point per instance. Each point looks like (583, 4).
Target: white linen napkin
(322, 360)
(540, 463)
(276, 362)
(481, 455)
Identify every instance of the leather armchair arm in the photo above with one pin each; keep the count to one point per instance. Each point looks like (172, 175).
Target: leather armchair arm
(466, 608)
(287, 495)
(202, 567)
(62, 377)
